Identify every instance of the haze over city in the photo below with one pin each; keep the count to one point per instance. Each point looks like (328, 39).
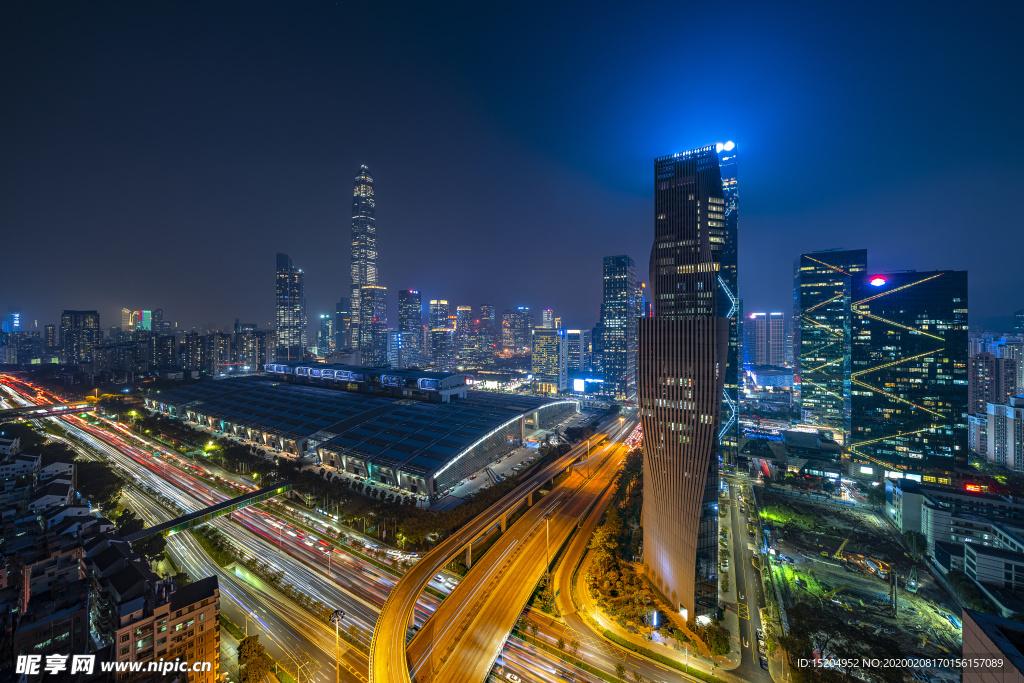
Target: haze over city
(501, 141)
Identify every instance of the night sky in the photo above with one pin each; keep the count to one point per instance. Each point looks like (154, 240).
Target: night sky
(160, 154)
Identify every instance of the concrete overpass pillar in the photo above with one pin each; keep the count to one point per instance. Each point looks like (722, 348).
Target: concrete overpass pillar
(469, 556)
(522, 430)
(504, 519)
(529, 499)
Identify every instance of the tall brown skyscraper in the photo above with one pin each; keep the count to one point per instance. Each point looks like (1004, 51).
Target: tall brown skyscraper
(680, 379)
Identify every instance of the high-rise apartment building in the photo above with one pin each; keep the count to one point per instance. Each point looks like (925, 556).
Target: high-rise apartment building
(1005, 433)
(681, 380)
(619, 326)
(577, 350)
(766, 334)
(364, 246)
(290, 311)
(990, 379)
(550, 374)
(821, 301)
(373, 328)
(909, 372)
(50, 338)
(79, 335)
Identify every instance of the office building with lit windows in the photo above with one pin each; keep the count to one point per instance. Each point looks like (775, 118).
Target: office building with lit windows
(363, 266)
(373, 331)
(410, 321)
(766, 337)
(619, 326)
(909, 373)
(343, 324)
(578, 350)
(726, 225)
(290, 311)
(550, 373)
(821, 312)
(681, 381)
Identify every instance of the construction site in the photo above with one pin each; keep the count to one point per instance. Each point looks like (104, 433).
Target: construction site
(861, 572)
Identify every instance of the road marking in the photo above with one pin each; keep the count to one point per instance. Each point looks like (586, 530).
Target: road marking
(743, 610)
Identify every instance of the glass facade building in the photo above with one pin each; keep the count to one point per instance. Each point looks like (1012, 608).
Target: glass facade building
(619, 318)
(681, 375)
(909, 372)
(364, 246)
(728, 295)
(373, 332)
(550, 375)
(410, 321)
(290, 315)
(821, 312)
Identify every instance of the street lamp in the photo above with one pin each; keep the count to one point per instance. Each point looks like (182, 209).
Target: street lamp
(336, 618)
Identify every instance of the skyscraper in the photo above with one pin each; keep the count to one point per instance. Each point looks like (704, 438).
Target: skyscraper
(79, 335)
(291, 311)
(343, 324)
(549, 360)
(373, 330)
(488, 329)
(909, 373)
(50, 338)
(577, 350)
(325, 337)
(681, 379)
(821, 299)
(547, 318)
(990, 379)
(728, 294)
(766, 334)
(1018, 322)
(619, 330)
(364, 245)
(410, 320)
(465, 340)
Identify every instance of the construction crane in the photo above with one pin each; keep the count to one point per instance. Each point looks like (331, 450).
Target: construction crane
(838, 554)
(834, 591)
(912, 582)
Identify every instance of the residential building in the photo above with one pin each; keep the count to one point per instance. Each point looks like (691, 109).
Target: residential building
(990, 379)
(373, 327)
(1004, 434)
(909, 371)
(821, 327)
(550, 374)
(290, 311)
(364, 247)
(618, 333)
(680, 378)
(79, 335)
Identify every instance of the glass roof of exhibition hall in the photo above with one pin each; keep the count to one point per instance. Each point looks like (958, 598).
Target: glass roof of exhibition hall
(414, 436)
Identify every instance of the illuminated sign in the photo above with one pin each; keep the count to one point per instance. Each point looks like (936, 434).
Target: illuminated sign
(973, 487)
(578, 385)
(878, 281)
(864, 469)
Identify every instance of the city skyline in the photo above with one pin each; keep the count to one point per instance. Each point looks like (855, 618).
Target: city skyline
(292, 196)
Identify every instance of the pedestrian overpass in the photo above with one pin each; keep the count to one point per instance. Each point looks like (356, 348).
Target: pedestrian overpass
(205, 515)
(32, 412)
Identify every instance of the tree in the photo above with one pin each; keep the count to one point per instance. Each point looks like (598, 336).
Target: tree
(99, 484)
(637, 678)
(620, 671)
(574, 648)
(561, 643)
(128, 523)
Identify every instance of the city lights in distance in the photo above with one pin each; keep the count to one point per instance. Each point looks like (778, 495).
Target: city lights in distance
(878, 281)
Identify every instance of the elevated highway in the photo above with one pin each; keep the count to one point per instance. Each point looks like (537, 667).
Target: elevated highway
(389, 660)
